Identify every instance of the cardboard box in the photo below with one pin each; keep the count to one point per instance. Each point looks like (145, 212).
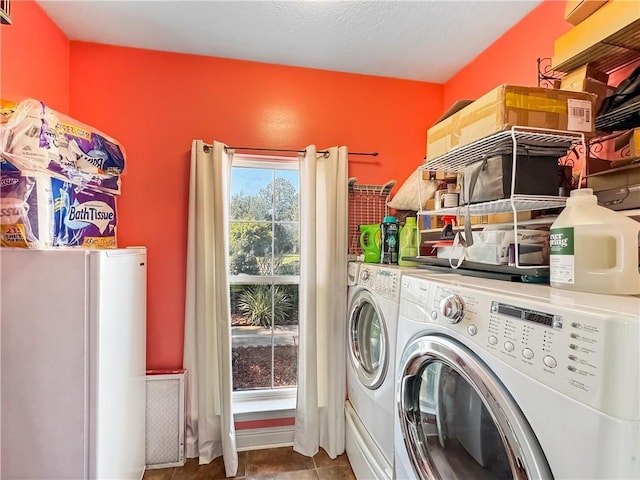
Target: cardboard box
(615, 178)
(475, 219)
(494, 218)
(577, 11)
(596, 165)
(634, 143)
(427, 222)
(438, 175)
(507, 217)
(592, 36)
(509, 105)
(626, 148)
(598, 88)
(576, 76)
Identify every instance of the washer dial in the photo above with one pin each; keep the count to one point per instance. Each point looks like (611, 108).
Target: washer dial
(452, 308)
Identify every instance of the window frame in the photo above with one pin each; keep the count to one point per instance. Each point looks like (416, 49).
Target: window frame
(272, 402)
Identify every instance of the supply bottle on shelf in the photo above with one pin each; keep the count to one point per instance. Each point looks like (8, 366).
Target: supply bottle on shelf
(370, 242)
(408, 242)
(594, 249)
(390, 242)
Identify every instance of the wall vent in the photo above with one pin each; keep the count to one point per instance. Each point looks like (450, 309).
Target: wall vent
(165, 419)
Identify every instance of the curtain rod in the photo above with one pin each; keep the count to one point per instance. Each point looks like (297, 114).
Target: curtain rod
(372, 154)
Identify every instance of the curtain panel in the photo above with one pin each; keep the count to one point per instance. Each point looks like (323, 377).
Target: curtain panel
(207, 336)
(321, 389)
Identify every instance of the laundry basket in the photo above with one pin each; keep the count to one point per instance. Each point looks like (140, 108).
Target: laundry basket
(165, 419)
(367, 206)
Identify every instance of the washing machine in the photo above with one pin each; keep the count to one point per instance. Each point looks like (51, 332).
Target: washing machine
(508, 380)
(373, 300)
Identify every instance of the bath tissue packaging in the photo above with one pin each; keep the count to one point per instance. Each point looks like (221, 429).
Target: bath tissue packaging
(36, 138)
(25, 210)
(38, 211)
(82, 217)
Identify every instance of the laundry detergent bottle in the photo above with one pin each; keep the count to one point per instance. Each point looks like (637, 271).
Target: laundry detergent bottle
(390, 240)
(370, 242)
(408, 242)
(594, 249)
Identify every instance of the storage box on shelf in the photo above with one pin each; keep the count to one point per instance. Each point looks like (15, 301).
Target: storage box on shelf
(505, 106)
(609, 39)
(587, 78)
(457, 159)
(577, 11)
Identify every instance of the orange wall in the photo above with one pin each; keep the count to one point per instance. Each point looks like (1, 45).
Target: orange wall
(34, 57)
(155, 103)
(512, 58)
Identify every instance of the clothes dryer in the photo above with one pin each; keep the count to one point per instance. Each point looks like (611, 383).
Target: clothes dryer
(371, 339)
(505, 380)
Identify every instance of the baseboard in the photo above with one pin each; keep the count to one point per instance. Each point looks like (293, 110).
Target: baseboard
(258, 438)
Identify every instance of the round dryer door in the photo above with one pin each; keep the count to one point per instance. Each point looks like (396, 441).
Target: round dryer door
(458, 420)
(368, 341)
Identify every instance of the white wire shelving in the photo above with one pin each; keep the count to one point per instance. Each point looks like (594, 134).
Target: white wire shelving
(521, 203)
(458, 158)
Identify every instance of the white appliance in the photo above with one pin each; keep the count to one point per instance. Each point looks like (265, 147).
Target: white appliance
(73, 338)
(371, 337)
(505, 380)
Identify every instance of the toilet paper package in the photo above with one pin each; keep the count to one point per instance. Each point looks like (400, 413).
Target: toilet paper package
(82, 217)
(36, 138)
(28, 135)
(25, 210)
(39, 211)
(107, 183)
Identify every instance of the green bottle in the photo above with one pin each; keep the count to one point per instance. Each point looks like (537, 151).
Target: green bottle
(408, 242)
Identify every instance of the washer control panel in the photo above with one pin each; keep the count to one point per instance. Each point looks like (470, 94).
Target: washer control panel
(383, 280)
(588, 354)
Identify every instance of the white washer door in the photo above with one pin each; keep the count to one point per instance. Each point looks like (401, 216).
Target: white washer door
(368, 340)
(458, 420)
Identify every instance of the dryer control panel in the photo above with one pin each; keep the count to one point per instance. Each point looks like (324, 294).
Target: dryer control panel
(588, 354)
(383, 280)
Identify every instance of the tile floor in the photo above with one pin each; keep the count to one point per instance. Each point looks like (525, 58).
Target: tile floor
(269, 464)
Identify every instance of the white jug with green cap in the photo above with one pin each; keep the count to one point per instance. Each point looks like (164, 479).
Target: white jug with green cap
(594, 249)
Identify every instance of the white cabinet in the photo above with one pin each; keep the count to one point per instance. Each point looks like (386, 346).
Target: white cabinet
(73, 355)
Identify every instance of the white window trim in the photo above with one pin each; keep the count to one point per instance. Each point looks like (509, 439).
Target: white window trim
(268, 163)
(264, 279)
(264, 404)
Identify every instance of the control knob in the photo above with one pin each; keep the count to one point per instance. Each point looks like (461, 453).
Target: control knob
(452, 307)
(364, 276)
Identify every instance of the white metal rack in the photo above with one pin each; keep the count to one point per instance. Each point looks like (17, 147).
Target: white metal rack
(520, 202)
(458, 158)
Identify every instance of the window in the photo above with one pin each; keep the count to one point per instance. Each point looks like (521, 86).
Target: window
(264, 274)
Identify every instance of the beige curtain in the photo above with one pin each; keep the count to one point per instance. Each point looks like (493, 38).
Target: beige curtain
(321, 390)
(207, 336)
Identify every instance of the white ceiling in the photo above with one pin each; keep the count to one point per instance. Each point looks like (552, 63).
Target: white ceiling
(417, 40)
